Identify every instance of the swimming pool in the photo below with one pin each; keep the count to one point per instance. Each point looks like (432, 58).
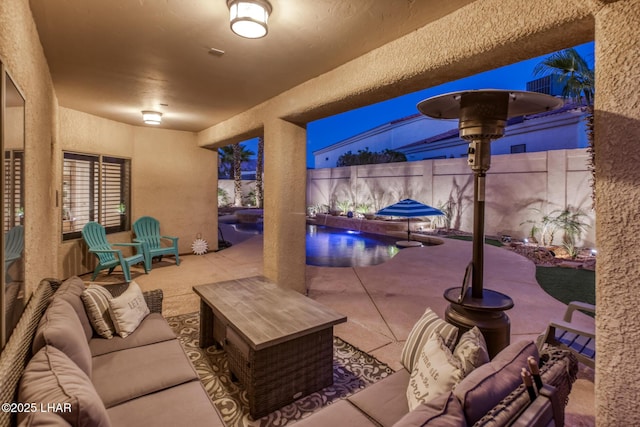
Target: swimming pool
(338, 247)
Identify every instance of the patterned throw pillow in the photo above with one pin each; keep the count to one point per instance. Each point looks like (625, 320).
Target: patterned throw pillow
(96, 303)
(128, 310)
(471, 350)
(436, 372)
(422, 330)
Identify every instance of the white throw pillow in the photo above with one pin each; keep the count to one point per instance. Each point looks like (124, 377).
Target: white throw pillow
(436, 372)
(128, 310)
(471, 350)
(420, 333)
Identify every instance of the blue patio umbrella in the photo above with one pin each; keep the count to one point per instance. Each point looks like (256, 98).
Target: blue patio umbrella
(410, 209)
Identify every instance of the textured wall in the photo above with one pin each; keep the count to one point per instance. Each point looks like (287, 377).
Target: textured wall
(617, 125)
(175, 181)
(22, 55)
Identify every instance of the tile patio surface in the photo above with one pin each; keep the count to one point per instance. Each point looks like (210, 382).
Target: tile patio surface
(381, 302)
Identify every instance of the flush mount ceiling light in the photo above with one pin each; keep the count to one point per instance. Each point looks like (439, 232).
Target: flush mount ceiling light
(249, 17)
(152, 117)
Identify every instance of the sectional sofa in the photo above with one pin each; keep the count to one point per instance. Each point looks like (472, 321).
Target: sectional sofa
(492, 394)
(54, 357)
(55, 362)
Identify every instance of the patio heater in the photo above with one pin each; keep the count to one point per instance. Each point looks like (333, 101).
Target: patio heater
(482, 117)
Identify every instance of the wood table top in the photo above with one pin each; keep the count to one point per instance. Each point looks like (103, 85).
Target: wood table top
(265, 314)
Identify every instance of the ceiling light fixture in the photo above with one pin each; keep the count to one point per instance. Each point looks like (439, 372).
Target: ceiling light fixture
(152, 117)
(249, 17)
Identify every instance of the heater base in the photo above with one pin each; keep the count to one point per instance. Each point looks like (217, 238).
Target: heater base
(487, 313)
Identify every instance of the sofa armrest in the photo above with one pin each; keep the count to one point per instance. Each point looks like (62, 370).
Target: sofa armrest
(153, 298)
(546, 410)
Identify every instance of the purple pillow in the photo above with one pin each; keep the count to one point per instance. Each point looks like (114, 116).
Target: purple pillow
(487, 385)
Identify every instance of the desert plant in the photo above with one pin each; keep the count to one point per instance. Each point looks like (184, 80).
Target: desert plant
(444, 221)
(363, 208)
(545, 226)
(344, 205)
(223, 197)
(570, 222)
(250, 199)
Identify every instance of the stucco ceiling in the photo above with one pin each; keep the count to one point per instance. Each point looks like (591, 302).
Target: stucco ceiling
(116, 58)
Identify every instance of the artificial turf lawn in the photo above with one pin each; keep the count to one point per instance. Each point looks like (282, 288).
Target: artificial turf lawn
(568, 284)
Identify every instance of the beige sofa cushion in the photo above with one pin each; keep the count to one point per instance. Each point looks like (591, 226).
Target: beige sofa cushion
(71, 290)
(61, 328)
(435, 373)
(486, 386)
(128, 374)
(153, 329)
(44, 419)
(443, 411)
(386, 400)
(96, 303)
(190, 406)
(51, 377)
(128, 310)
(420, 333)
(340, 413)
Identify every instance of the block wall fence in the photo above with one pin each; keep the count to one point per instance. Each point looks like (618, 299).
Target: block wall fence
(519, 188)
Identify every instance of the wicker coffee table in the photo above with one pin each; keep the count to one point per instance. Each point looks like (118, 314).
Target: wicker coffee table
(279, 342)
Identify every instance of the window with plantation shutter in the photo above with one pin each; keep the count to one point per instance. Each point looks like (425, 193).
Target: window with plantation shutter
(94, 188)
(13, 179)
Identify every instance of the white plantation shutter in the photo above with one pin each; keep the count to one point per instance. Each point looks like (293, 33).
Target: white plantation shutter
(94, 188)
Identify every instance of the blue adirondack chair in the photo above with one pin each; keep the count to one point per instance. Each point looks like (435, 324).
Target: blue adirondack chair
(13, 246)
(108, 257)
(147, 230)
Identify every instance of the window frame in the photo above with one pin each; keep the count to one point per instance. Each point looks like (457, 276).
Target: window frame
(98, 185)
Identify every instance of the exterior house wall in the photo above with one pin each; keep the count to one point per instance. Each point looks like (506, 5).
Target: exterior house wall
(560, 131)
(390, 135)
(519, 187)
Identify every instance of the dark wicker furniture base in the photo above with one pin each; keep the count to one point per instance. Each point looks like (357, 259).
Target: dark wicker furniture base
(279, 343)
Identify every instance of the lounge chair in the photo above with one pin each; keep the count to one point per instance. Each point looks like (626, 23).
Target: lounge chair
(13, 246)
(147, 230)
(108, 257)
(581, 340)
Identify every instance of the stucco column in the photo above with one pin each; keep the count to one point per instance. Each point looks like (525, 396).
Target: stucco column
(285, 183)
(617, 130)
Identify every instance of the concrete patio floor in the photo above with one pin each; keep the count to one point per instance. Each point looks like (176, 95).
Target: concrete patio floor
(381, 302)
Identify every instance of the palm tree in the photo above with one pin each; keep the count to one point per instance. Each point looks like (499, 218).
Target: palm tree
(259, 164)
(230, 164)
(225, 164)
(572, 71)
(237, 174)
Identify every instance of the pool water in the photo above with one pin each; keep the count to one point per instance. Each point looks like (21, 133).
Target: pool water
(338, 247)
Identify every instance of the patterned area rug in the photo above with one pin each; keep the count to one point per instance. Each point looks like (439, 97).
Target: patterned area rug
(352, 370)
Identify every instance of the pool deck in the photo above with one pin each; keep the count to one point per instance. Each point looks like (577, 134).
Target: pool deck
(381, 302)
